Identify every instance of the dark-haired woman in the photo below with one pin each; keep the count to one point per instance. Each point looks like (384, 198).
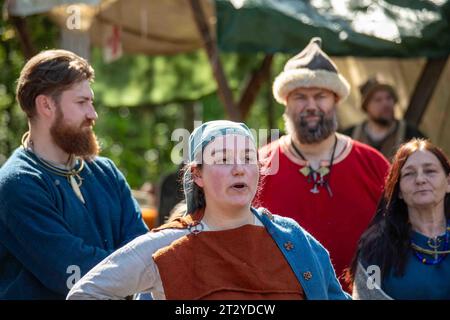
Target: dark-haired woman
(222, 248)
(404, 252)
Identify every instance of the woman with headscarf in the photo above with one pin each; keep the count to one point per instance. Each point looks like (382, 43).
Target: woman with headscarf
(221, 248)
(403, 253)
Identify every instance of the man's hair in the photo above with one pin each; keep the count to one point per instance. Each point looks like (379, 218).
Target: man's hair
(370, 87)
(50, 73)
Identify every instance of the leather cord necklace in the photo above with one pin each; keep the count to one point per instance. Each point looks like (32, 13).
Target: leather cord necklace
(72, 175)
(319, 177)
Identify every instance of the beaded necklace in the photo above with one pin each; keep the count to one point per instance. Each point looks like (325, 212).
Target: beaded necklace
(317, 177)
(438, 256)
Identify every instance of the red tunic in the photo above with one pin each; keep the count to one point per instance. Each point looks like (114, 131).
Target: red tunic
(356, 181)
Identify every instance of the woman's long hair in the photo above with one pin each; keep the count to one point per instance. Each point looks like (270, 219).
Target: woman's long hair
(386, 242)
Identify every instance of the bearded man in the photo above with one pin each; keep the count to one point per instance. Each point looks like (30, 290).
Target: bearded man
(382, 130)
(63, 208)
(329, 183)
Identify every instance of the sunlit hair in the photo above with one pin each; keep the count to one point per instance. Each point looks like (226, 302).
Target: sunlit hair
(386, 242)
(177, 212)
(50, 73)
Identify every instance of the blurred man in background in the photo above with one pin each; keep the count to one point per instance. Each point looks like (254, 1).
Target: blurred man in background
(381, 130)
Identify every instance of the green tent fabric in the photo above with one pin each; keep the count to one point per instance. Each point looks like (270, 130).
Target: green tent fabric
(363, 28)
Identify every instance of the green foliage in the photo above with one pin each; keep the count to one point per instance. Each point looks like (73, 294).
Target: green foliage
(144, 80)
(138, 140)
(12, 121)
(140, 100)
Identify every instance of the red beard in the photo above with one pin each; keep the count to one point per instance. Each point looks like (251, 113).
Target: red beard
(79, 141)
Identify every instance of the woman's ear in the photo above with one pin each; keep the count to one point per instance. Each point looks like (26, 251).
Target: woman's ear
(197, 176)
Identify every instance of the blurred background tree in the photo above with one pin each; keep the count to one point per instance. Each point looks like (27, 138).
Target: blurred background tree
(140, 99)
(12, 121)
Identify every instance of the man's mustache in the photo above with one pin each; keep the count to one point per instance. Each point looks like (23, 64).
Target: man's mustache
(316, 113)
(88, 123)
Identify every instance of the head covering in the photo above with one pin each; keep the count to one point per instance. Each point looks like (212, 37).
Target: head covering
(372, 85)
(200, 138)
(310, 68)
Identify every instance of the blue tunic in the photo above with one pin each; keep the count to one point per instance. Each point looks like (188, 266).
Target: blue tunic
(47, 234)
(420, 281)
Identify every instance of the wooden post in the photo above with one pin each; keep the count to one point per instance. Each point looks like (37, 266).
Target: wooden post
(189, 116)
(210, 45)
(24, 37)
(424, 90)
(254, 85)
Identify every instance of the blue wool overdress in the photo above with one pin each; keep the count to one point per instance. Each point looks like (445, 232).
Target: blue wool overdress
(47, 234)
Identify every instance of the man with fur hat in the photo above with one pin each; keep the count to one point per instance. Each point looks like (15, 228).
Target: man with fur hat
(326, 181)
(381, 130)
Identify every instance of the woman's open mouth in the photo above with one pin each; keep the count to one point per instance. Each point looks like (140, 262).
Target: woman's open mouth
(239, 186)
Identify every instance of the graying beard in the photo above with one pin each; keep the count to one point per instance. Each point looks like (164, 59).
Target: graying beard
(306, 136)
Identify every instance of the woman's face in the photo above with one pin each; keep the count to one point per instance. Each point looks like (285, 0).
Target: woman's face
(230, 172)
(423, 182)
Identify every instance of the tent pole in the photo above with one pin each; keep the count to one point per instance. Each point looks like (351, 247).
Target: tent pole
(210, 45)
(254, 85)
(20, 24)
(189, 115)
(424, 89)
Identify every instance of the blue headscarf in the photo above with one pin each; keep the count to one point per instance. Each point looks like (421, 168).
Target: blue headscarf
(200, 138)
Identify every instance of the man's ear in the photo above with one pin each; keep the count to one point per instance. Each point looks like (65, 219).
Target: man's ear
(197, 176)
(400, 194)
(44, 106)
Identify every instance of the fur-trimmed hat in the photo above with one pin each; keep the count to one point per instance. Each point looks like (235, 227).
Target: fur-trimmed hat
(310, 68)
(372, 85)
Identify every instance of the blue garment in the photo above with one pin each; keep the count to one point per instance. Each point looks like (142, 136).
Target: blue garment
(131, 269)
(309, 260)
(420, 281)
(47, 233)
